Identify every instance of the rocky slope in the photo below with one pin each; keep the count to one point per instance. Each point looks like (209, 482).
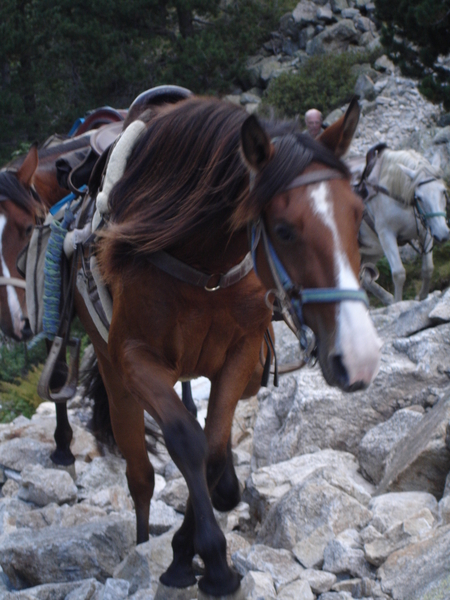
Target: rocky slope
(344, 495)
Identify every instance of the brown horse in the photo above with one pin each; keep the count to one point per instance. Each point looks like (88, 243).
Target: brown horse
(203, 180)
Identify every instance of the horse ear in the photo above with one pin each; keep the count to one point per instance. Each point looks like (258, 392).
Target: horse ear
(409, 172)
(28, 167)
(256, 145)
(338, 137)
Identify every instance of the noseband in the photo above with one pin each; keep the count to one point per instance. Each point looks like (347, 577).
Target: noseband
(291, 297)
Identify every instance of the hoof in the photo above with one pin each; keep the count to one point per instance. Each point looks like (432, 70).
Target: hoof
(237, 595)
(61, 458)
(177, 577)
(165, 592)
(227, 589)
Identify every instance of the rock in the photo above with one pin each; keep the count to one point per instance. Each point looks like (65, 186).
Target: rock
(280, 564)
(258, 586)
(297, 590)
(391, 509)
(423, 462)
(174, 494)
(381, 439)
(269, 484)
(335, 38)
(115, 589)
(384, 64)
(17, 453)
(305, 13)
(102, 473)
(307, 506)
(420, 570)
(365, 88)
(319, 581)
(309, 550)
(398, 536)
(344, 554)
(42, 486)
(66, 554)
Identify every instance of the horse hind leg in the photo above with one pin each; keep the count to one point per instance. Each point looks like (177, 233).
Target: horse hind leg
(427, 272)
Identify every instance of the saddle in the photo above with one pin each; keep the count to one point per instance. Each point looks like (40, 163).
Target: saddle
(89, 214)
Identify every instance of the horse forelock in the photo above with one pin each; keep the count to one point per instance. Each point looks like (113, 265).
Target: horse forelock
(398, 183)
(12, 189)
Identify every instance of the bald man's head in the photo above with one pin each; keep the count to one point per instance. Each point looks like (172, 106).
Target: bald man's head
(313, 121)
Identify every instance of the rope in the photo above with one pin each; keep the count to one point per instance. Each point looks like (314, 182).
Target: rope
(52, 274)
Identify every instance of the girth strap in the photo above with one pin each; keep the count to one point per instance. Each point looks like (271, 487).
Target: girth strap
(180, 270)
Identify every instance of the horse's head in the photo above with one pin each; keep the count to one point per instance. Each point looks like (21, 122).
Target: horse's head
(431, 198)
(310, 253)
(17, 219)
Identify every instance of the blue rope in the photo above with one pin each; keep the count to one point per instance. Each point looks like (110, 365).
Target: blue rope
(56, 207)
(52, 274)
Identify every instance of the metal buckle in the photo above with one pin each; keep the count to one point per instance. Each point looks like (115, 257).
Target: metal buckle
(214, 288)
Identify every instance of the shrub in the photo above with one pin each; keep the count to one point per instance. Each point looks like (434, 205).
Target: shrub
(323, 82)
(20, 398)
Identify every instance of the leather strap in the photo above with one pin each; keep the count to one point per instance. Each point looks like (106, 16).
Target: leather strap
(15, 281)
(187, 274)
(314, 177)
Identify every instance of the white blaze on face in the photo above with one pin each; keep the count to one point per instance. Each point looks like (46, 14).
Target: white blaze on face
(13, 300)
(356, 339)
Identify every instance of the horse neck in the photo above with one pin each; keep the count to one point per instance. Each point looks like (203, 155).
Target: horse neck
(217, 251)
(46, 185)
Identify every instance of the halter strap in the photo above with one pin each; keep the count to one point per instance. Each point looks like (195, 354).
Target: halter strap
(314, 177)
(290, 296)
(180, 270)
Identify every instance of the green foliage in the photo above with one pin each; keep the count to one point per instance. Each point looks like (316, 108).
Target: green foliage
(213, 60)
(19, 398)
(61, 59)
(324, 82)
(16, 360)
(416, 32)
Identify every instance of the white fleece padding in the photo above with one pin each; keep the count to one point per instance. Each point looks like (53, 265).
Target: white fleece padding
(116, 167)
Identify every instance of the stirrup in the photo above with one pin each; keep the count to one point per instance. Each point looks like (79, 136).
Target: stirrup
(68, 390)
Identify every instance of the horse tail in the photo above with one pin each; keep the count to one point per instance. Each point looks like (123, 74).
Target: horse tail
(94, 389)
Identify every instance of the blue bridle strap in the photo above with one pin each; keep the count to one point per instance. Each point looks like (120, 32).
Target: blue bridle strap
(291, 296)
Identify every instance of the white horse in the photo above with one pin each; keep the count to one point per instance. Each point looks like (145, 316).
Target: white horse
(406, 200)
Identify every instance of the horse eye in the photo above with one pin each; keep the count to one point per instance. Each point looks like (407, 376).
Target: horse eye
(285, 233)
(29, 230)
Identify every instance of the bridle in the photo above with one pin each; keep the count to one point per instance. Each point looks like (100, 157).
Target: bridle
(290, 297)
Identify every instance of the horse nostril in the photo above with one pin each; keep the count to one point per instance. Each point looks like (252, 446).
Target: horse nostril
(339, 371)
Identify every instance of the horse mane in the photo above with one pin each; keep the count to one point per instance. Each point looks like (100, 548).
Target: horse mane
(186, 175)
(396, 182)
(11, 187)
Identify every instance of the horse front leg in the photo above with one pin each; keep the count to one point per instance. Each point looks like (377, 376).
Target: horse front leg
(389, 244)
(62, 455)
(152, 385)
(128, 425)
(427, 272)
